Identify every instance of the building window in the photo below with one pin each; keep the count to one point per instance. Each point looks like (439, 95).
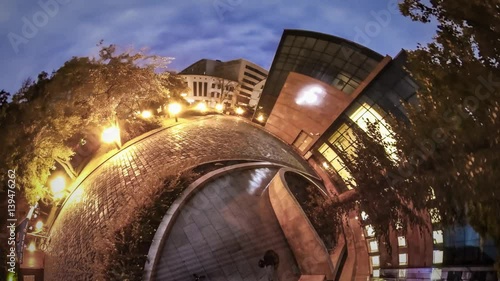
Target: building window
(213, 86)
(435, 217)
(205, 85)
(437, 256)
(375, 261)
(376, 273)
(212, 94)
(195, 89)
(370, 232)
(437, 235)
(373, 246)
(403, 259)
(401, 241)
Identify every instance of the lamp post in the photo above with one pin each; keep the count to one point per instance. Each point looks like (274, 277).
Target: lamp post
(174, 109)
(112, 135)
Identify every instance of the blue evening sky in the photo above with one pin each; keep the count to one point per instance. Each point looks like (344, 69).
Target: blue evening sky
(42, 35)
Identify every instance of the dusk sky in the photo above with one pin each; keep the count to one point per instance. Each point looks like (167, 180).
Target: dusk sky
(42, 35)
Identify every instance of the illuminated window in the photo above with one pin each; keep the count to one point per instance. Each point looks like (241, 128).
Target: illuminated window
(373, 246)
(376, 273)
(435, 217)
(437, 235)
(364, 216)
(375, 261)
(436, 274)
(403, 259)
(366, 114)
(402, 273)
(370, 232)
(437, 256)
(401, 241)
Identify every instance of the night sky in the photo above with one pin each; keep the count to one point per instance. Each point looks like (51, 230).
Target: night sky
(42, 35)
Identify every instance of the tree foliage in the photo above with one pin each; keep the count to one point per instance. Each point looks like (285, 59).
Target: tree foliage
(47, 118)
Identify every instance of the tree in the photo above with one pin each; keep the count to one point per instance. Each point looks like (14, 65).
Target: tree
(459, 99)
(46, 117)
(228, 90)
(448, 152)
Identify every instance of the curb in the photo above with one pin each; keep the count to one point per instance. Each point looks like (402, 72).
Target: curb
(173, 212)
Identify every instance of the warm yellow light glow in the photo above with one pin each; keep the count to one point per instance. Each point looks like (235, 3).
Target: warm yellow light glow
(174, 108)
(77, 195)
(239, 110)
(184, 95)
(219, 107)
(39, 225)
(260, 118)
(58, 184)
(32, 247)
(365, 115)
(325, 165)
(146, 114)
(190, 100)
(110, 135)
(201, 107)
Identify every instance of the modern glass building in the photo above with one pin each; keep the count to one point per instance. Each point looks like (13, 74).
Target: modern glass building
(319, 91)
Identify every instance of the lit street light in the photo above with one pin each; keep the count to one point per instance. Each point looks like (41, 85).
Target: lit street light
(174, 109)
(219, 107)
(202, 107)
(239, 110)
(111, 135)
(57, 186)
(146, 114)
(260, 118)
(32, 247)
(39, 225)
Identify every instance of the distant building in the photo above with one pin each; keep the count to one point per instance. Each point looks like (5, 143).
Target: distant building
(210, 89)
(245, 73)
(321, 88)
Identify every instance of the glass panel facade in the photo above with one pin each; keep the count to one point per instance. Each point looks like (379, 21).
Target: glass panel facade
(384, 95)
(330, 59)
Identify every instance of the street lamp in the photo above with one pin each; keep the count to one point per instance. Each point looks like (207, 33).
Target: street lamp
(39, 225)
(111, 135)
(174, 109)
(202, 107)
(57, 185)
(146, 114)
(260, 118)
(239, 110)
(219, 107)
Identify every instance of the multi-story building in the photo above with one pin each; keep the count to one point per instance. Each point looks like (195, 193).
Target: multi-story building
(245, 73)
(321, 88)
(210, 89)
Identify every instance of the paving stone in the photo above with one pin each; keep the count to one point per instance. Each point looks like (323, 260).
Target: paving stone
(121, 184)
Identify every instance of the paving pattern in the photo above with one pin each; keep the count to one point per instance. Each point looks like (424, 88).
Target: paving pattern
(224, 230)
(113, 191)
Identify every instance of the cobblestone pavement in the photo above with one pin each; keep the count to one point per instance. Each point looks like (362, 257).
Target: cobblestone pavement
(224, 230)
(108, 195)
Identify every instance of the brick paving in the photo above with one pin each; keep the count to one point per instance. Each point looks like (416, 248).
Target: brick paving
(224, 230)
(109, 194)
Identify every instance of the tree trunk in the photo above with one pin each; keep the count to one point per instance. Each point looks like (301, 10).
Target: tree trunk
(68, 168)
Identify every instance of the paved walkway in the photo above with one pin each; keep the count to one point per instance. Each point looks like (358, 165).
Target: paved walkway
(224, 230)
(108, 196)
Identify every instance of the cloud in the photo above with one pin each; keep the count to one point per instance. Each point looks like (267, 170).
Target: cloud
(187, 30)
